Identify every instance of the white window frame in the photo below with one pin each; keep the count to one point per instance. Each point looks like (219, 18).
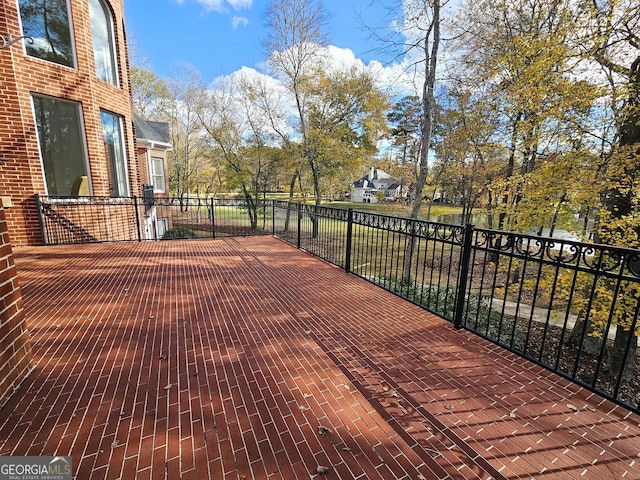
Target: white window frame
(83, 136)
(153, 173)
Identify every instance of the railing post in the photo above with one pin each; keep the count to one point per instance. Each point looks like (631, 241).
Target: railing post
(347, 259)
(41, 220)
(137, 213)
(299, 223)
(464, 273)
(273, 217)
(213, 218)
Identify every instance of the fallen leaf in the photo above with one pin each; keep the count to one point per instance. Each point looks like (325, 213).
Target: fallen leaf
(422, 477)
(572, 407)
(168, 387)
(448, 407)
(513, 414)
(320, 470)
(322, 430)
(346, 449)
(163, 357)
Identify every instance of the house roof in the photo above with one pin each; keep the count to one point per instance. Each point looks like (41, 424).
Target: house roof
(375, 179)
(156, 133)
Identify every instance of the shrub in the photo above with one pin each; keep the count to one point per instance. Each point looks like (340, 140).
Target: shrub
(177, 233)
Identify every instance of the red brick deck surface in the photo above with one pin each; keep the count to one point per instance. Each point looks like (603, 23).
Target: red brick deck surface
(222, 358)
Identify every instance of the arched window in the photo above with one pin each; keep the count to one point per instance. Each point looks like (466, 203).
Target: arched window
(103, 44)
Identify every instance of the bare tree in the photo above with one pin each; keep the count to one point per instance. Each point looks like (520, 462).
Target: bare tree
(295, 44)
(189, 150)
(422, 21)
(417, 41)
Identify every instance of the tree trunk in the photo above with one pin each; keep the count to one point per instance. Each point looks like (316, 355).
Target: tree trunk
(292, 186)
(318, 194)
(431, 46)
(623, 203)
(621, 361)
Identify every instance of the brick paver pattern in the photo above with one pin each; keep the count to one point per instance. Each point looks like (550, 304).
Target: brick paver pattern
(249, 359)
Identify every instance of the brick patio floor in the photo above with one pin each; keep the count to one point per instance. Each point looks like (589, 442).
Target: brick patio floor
(222, 358)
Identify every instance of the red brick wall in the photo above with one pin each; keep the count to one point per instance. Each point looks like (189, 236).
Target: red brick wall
(15, 350)
(21, 173)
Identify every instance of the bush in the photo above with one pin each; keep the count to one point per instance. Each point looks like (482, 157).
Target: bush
(177, 233)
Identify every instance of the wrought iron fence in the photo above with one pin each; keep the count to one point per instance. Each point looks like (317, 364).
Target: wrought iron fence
(569, 306)
(68, 220)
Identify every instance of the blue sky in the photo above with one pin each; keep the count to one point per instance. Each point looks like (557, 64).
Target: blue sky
(218, 39)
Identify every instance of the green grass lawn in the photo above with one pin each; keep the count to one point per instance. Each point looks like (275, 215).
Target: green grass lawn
(386, 208)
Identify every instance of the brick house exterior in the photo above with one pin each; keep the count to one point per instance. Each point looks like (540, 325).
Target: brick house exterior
(15, 349)
(66, 129)
(80, 79)
(153, 142)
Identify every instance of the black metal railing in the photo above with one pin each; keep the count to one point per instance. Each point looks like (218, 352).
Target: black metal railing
(572, 307)
(68, 220)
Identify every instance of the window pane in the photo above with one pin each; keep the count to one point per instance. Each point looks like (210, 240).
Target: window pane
(61, 145)
(47, 22)
(103, 51)
(114, 146)
(157, 174)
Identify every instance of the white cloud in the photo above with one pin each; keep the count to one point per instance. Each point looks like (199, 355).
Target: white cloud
(275, 96)
(237, 21)
(215, 5)
(240, 4)
(392, 79)
(222, 6)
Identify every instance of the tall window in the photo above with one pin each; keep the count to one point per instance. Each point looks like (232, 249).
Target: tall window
(62, 147)
(48, 23)
(156, 172)
(113, 136)
(103, 44)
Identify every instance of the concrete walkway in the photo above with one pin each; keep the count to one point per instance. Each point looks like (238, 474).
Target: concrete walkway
(249, 359)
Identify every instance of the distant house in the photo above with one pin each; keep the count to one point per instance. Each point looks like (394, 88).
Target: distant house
(377, 184)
